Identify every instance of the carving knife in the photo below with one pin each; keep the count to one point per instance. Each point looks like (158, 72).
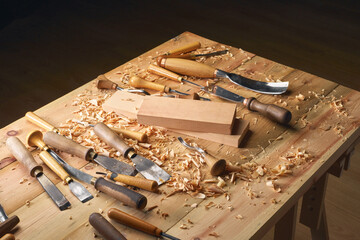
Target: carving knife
(34, 139)
(6, 223)
(270, 111)
(146, 167)
(103, 82)
(22, 154)
(196, 69)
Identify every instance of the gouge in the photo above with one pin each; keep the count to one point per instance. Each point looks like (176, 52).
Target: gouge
(184, 49)
(106, 229)
(103, 82)
(35, 139)
(142, 83)
(146, 184)
(137, 223)
(196, 69)
(22, 154)
(6, 223)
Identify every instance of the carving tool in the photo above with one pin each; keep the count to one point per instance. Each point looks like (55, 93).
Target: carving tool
(118, 192)
(104, 227)
(270, 111)
(134, 222)
(142, 83)
(184, 49)
(103, 82)
(196, 69)
(6, 223)
(20, 152)
(144, 166)
(194, 56)
(34, 139)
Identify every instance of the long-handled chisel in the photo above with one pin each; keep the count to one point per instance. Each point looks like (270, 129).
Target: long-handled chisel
(22, 154)
(33, 139)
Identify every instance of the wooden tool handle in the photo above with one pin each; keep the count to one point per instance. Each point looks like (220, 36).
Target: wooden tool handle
(133, 222)
(35, 139)
(232, 168)
(54, 165)
(183, 56)
(184, 49)
(123, 194)
(32, 117)
(188, 67)
(164, 72)
(8, 236)
(8, 224)
(111, 138)
(137, 82)
(103, 82)
(271, 111)
(104, 227)
(67, 145)
(142, 183)
(22, 154)
(140, 136)
(217, 166)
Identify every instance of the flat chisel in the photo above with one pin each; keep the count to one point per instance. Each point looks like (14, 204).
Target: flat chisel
(22, 154)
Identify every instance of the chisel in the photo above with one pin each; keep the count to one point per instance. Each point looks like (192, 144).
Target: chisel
(34, 139)
(184, 49)
(142, 83)
(194, 56)
(137, 223)
(196, 69)
(22, 154)
(103, 82)
(6, 223)
(118, 192)
(104, 227)
(146, 167)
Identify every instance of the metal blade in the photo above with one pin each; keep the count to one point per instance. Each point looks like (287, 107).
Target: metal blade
(3, 215)
(223, 93)
(181, 93)
(256, 86)
(80, 191)
(212, 54)
(74, 172)
(149, 169)
(54, 193)
(115, 165)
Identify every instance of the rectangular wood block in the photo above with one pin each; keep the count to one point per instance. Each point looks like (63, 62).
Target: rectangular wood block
(189, 115)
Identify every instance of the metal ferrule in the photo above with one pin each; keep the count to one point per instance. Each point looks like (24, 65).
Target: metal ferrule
(93, 180)
(130, 154)
(67, 180)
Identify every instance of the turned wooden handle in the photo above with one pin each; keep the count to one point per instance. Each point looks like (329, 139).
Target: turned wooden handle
(103, 82)
(54, 165)
(22, 154)
(137, 82)
(188, 67)
(111, 138)
(164, 72)
(32, 117)
(142, 183)
(67, 145)
(133, 222)
(35, 139)
(8, 224)
(8, 236)
(183, 56)
(184, 49)
(140, 136)
(217, 166)
(104, 227)
(123, 194)
(271, 111)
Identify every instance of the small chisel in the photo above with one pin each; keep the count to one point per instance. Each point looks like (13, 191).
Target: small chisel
(103, 82)
(194, 56)
(184, 49)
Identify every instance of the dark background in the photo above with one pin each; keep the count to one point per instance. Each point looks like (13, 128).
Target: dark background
(48, 48)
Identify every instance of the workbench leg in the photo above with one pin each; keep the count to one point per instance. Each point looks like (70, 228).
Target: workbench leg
(313, 210)
(285, 227)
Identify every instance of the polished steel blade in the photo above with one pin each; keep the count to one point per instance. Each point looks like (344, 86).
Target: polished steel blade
(3, 215)
(149, 169)
(54, 193)
(223, 93)
(116, 166)
(80, 191)
(256, 86)
(181, 93)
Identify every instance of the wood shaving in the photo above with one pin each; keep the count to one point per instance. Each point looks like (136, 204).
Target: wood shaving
(239, 216)
(214, 234)
(300, 97)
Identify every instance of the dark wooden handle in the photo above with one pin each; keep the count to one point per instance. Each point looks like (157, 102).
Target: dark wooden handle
(111, 138)
(32, 117)
(103, 82)
(8, 224)
(142, 183)
(123, 194)
(133, 222)
(188, 67)
(164, 73)
(67, 145)
(184, 49)
(271, 111)
(8, 236)
(22, 154)
(104, 227)
(217, 166)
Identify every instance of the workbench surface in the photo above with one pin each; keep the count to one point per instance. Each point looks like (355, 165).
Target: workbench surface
(325, 125)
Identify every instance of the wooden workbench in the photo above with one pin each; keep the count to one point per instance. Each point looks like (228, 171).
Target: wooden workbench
(325, 131)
